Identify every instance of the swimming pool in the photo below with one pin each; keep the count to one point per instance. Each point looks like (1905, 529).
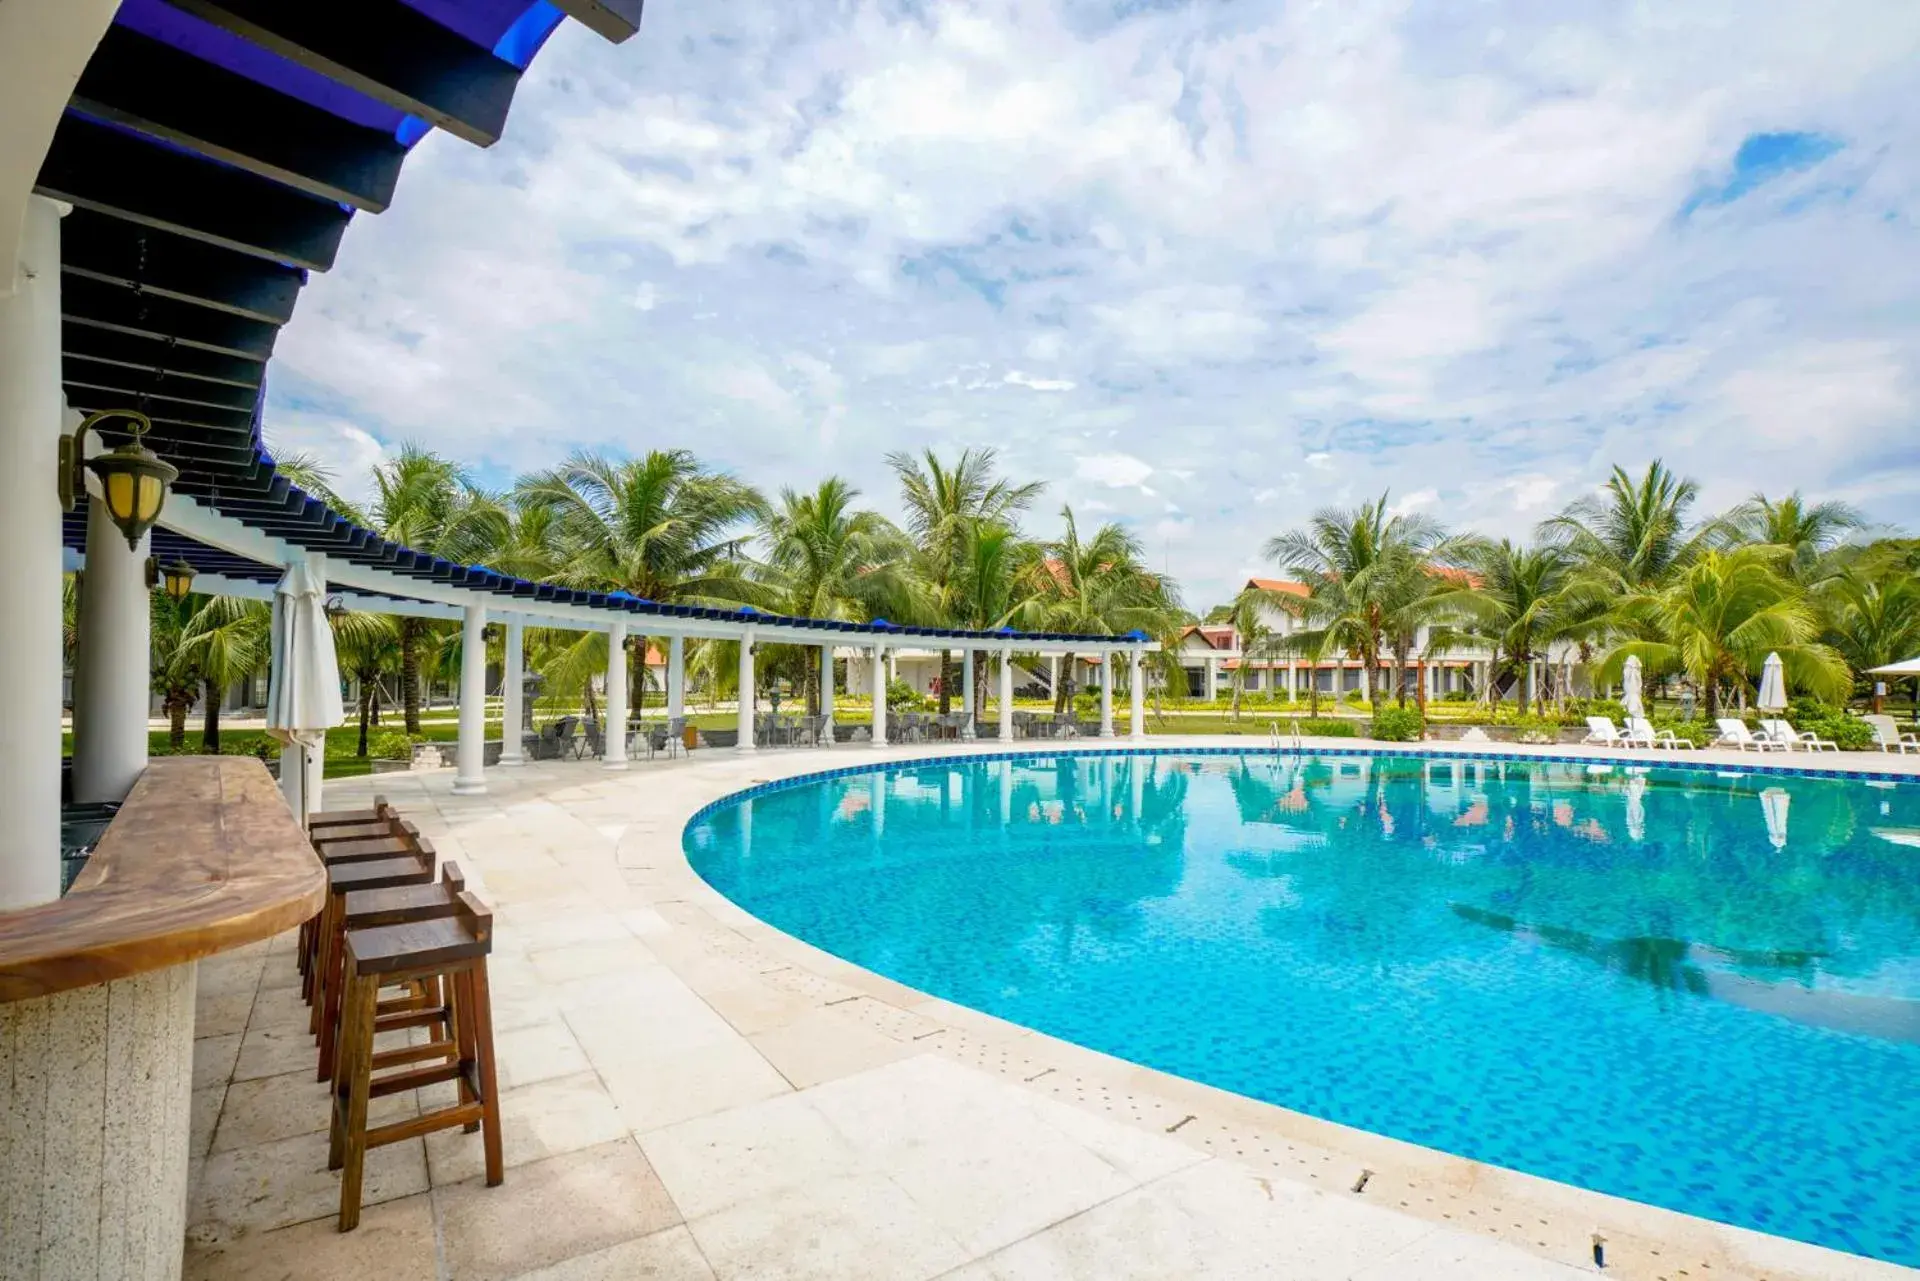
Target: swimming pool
(1697, 989)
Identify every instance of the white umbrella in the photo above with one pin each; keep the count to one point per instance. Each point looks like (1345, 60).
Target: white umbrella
(303, 697)
(1773, 804)
(1630, 687)
(1773, 686)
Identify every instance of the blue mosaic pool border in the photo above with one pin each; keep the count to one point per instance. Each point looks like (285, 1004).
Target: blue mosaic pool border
(1671, 761)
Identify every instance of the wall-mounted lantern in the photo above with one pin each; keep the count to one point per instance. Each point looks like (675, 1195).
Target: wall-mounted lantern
(133, 479)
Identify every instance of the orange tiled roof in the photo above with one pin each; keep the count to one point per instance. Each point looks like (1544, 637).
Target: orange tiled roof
(1278, 585)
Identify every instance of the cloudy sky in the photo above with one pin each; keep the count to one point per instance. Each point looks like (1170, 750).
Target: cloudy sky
(1201, 267)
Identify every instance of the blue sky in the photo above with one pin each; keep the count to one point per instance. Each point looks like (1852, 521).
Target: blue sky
(1202, 268)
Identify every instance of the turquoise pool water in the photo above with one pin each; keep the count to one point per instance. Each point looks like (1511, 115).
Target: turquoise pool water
(1694, 989)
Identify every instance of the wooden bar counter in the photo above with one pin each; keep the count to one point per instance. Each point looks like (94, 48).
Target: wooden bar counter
(97, 1009)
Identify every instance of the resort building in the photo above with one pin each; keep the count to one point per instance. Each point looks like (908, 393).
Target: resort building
(1213, 657)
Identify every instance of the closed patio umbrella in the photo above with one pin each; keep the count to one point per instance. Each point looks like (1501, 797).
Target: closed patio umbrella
(1637, 806)
(1630, 687)
(1773, 685)
(303, 695)
(1773, 804)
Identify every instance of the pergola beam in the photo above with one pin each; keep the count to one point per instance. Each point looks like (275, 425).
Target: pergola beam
(123, 310)
(614, 20)
(387, 50)
(139, 82)
(101, 247)
(157, 358)
(96, 376)
(99, 168)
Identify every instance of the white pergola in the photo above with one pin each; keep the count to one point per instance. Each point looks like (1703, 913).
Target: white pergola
(114, 590)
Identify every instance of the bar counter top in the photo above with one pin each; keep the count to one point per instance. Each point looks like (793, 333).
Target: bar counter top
(203, 857)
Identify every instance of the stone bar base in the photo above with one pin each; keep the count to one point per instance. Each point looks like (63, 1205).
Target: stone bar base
(95, 1088)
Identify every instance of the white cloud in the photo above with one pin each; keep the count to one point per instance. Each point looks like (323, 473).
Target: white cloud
(1117, 471)
(1018, 379)
(1281, 256)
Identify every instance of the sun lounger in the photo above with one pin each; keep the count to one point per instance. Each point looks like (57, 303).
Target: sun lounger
(1887, 736)
(1601, 732)
(1784, 734)
(1641, 733)
(1734, 733)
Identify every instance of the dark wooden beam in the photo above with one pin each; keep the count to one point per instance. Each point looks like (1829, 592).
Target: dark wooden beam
(136, 81)
(387, 50)
(157, 358)
(161, 406)
(88, 302)
(614, 20)
(107, 249)
(99, 376)
(101, 168)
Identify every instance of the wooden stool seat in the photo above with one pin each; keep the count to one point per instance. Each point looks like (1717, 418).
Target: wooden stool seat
(353, 832)
(368, 848)
(415, 868)
(351, 841)
(450, 950)
(338, 818)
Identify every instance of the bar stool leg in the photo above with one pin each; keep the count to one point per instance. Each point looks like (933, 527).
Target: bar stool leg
(351, 1050)
(364, 995)
(328, 1004)
(460, 1001)
(489, 1087)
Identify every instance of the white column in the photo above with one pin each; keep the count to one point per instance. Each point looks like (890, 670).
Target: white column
(30, 425)
(1106, 694)
(879, 696)
(826, 695)
(1213, 679)
(111, 685)
(967, 709)
(615, 755)
(1293, 680)
(512, 687)
(743, 719)
(1053, 674)
(676, 677)
(470, 775)
(1006, 694)
(1136, 697)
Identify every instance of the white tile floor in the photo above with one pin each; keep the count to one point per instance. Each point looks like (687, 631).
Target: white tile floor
(690, 1094)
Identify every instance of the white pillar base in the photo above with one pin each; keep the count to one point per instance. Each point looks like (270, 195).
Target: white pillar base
(469, 787)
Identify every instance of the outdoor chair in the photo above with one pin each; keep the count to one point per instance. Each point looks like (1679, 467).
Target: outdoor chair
(1734, 733)
(1783, 733)
(1602, 732)
(1887, 736)
(1641, 733)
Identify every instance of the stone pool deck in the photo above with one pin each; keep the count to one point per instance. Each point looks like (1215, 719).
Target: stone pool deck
(689, 1093)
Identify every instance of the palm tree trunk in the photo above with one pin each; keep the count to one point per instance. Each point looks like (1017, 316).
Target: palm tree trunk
(946, 681)
(178, 701)
(210, 722)
(1060, 686)
(410, 672)
(366, 714)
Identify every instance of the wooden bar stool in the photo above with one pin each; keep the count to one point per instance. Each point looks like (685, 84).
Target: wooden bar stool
(392, 838)
(422, 1003)
(453, 951)
(322, 819)
(413, 868)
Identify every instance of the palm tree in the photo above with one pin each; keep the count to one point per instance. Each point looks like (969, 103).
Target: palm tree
(825, 558)
(225, 642)
(1095, 586)
(942, 502)
(1247, 616)
(1807, 530)
(1519, 604)
(175, 677)
(1633, 532)
(1718, 618)
(663, 527)
(1365, 572)
(426, 503)
(990, 589)
(368, 646)
(1873, 620)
